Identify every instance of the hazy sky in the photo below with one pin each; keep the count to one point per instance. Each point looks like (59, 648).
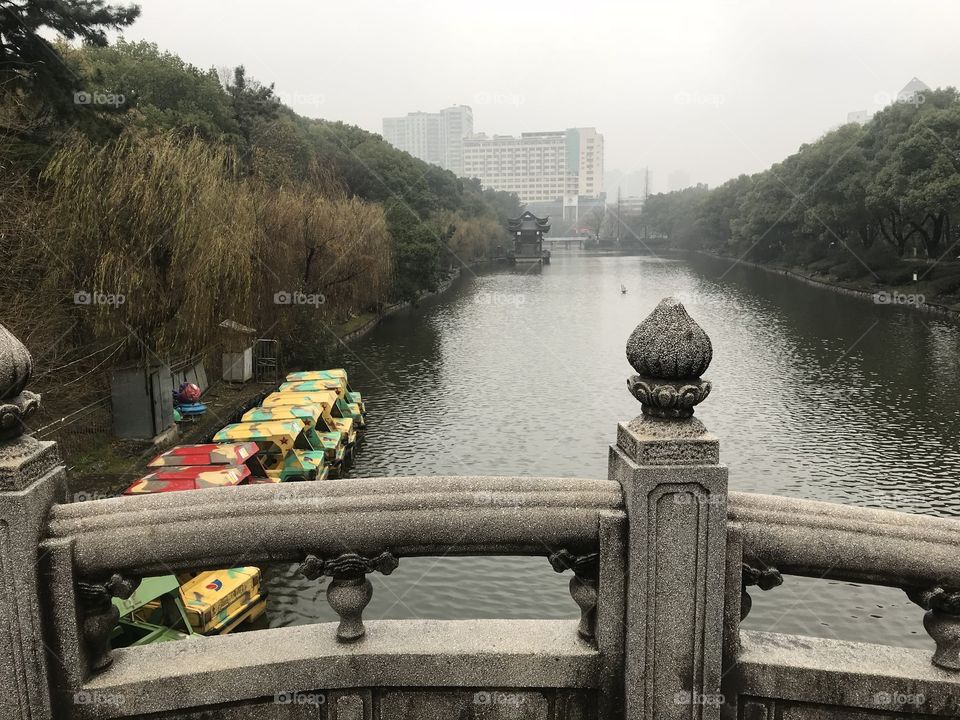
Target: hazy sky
(709, 88)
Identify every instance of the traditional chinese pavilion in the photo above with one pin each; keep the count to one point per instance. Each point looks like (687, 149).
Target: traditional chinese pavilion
(528, 231)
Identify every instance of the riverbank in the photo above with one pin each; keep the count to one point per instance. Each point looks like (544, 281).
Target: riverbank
(908, 295)
(362, 324)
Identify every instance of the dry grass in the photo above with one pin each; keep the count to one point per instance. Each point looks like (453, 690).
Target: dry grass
(166, 222)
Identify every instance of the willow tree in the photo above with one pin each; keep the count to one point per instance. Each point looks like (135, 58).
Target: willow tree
(162, 221)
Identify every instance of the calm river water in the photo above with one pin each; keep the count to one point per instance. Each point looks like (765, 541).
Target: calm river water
(816, 395)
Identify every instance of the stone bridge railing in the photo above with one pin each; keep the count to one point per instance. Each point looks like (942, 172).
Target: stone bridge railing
(662, 562)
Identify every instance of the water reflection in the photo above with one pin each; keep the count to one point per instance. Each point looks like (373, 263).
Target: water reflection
(816, 395)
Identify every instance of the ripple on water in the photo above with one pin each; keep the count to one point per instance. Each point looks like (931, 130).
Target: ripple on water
(816, 395)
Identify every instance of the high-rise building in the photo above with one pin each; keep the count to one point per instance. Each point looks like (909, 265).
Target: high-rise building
(543, 168)
(456, 123)
(433, 137)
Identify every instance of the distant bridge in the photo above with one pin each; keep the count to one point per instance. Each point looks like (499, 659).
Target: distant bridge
(564, 242)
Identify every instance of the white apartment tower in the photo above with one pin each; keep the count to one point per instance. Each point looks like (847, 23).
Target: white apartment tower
(433, 137)
(541, 167)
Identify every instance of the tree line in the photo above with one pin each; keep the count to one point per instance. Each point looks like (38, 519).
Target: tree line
(870, 193)
(198, 196)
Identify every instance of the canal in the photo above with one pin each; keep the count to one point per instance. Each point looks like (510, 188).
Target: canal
(816, 395)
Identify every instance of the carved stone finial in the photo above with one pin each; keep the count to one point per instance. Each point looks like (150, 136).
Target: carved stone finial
(16, 403)
(670, 352)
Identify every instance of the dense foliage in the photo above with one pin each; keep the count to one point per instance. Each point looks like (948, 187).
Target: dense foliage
(863, 194)
(126, 171)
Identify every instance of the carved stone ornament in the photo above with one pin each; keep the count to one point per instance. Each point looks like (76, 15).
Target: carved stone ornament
(349, 591)
(756, 573)
(941, 621)
(16, 403)
(583, 586)
(348, 565)
(100, 615)
(670, 352)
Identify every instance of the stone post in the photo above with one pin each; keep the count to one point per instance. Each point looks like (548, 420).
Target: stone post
(675, 493)
(31, 480)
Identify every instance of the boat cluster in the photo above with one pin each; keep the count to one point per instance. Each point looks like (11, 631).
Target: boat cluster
(306, 430)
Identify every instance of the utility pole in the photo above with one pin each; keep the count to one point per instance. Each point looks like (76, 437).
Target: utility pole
(618, 215)
(646, 194)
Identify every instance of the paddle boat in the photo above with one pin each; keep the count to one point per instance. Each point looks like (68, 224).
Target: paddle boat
(153, 613)
(284, 451)
(347, 409)
(327, 400)
(211, 602)
(188, 477)
(191, 467)
(352, 396)
(331, 442)
(217, 601)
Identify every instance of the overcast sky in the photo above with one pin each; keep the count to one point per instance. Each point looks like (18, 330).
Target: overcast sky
(706, 89)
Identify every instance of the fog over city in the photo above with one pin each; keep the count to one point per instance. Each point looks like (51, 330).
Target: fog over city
(699, 90)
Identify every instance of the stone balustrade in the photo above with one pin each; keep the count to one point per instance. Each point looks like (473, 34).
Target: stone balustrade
(662, 562)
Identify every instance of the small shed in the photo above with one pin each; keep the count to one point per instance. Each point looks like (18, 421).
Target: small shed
(142, 401)
(237, 341)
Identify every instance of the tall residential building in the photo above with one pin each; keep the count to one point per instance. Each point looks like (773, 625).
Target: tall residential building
(543, 168)
(456, 123)
(433, 137)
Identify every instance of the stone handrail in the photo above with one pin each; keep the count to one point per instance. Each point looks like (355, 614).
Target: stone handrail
(408, 516)
(845, 542)
(343, 530)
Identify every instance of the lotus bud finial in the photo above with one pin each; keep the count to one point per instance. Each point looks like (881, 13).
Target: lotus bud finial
(670, 353)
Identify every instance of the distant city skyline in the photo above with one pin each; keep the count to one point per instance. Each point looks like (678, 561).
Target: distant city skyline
(554, 169)
(710, 89)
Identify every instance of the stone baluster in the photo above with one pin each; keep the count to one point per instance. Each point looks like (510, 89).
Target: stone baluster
(675, 493)
(583, 586)
(349, 591)
(942, 623)
(759, 574)
(31, 481)
(100, 616)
